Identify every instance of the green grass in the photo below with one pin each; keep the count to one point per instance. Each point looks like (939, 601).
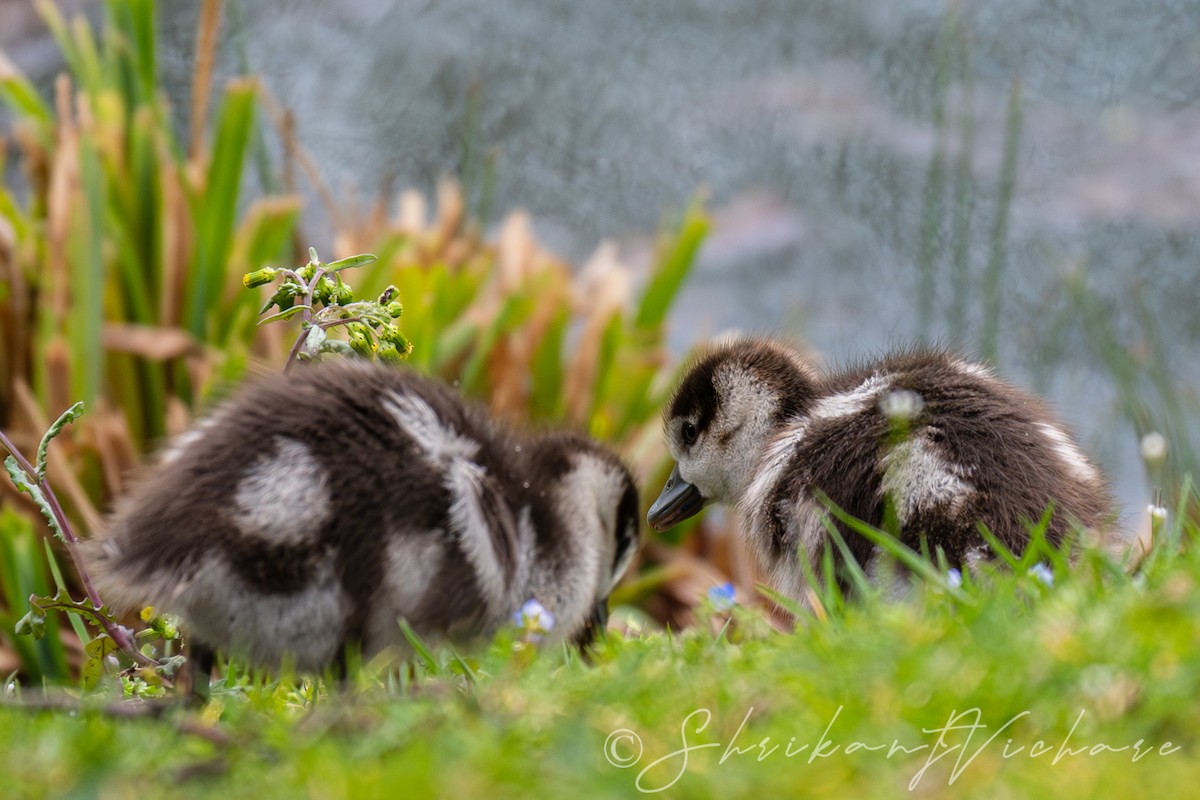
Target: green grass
(1099, 658)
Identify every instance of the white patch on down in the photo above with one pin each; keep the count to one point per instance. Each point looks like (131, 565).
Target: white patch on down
(974, 370)
(217, 607)
(580, 574)
(884, 573)
(917, 477)
(180, 444)
(771, 470)
(411, 562)
(1075, 461)
(284, 498)
(847, 404)
(976, 556)
(450, 451)
(803, 519)
(440, 443)
(469, 523)
(621, 566)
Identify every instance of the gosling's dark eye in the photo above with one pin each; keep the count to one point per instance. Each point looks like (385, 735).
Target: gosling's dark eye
(689, 433)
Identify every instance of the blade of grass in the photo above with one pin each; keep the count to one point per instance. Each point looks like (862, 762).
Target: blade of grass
(420, 648)
(85, 322)
(850, 565)
(547, 399)
(964, 194)
(935, 182)
(895, 548)
(61, 586)
(998, 256)
(214, 208)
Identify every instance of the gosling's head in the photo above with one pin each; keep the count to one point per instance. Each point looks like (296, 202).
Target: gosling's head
(720, 419)
(596, 498)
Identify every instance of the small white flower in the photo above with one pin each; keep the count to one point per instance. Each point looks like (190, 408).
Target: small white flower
(901, 405)
(1156, 512)
(1154, 448)
(953, 578)
(1042, 573)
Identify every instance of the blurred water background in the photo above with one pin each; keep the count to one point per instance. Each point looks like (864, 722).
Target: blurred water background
(1020, 178)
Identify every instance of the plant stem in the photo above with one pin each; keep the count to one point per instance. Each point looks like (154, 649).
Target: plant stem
(306, 326)
(117, 632)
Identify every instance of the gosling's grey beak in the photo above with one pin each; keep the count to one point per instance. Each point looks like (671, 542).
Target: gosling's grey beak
(678, 501)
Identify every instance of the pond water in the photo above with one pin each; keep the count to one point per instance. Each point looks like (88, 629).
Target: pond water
(852, 153)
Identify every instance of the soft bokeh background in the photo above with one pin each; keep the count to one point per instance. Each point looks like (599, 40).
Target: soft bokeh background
(818, 129)
(852, 151)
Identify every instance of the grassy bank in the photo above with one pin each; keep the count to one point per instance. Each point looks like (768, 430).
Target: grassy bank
(1081, 685)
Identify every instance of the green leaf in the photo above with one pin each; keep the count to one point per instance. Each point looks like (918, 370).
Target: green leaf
(215, 207)
(66, 418)
(23, 484)
(350, 263)
(673, 267)
(20, 95)
(287, 313)
(548, 368)
(93, 667)
(32, 624)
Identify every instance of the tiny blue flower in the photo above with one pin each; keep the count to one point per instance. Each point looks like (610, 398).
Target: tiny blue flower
(953, 578)
(1042, 573)
(535, 619)
(721, 597)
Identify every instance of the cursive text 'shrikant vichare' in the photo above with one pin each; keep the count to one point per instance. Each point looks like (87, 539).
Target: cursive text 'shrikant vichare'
(955, 745)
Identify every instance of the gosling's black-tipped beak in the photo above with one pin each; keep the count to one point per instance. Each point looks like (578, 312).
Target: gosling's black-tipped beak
(678, 501)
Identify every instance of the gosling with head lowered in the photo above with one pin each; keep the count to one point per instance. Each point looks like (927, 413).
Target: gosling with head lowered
(943, 441)
(315, 510)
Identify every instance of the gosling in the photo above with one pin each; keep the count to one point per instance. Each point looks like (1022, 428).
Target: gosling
(943, 441)
(315, 510)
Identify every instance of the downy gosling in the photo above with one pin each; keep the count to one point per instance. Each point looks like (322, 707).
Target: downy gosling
(945, 442)
(314, 510)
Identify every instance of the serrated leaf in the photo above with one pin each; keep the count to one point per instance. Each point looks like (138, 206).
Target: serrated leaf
(169, 666)
(70, 415)
(21, 480)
